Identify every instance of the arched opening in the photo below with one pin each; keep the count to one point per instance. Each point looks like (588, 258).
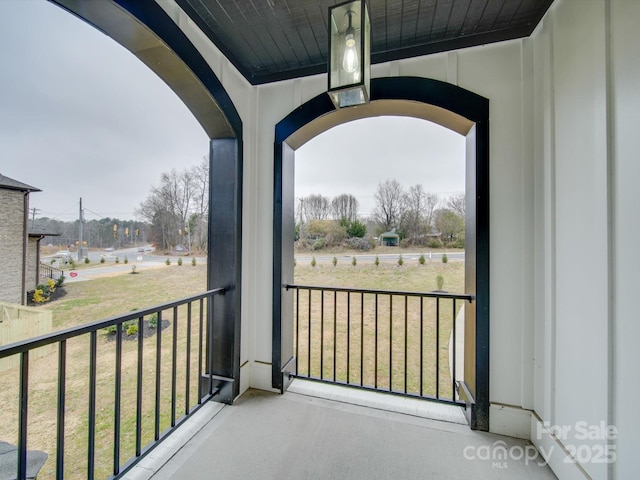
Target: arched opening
(447, 105)
(146, 30)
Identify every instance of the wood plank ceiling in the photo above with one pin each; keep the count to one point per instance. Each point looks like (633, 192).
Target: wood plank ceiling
(271, 40)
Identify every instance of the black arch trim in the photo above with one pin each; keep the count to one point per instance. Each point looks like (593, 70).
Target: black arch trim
(434, 92)
(450, 97)
(153, 16)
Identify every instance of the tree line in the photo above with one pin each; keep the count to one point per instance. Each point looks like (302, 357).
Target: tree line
(175, 212)
(417, 216)
(102, 233)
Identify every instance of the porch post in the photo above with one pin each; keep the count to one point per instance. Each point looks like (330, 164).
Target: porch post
(224, 264)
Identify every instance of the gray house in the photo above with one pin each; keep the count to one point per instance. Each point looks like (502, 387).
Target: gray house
(19, 258)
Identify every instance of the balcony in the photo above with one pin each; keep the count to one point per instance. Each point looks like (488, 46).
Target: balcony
(374, 397)
(300, 435)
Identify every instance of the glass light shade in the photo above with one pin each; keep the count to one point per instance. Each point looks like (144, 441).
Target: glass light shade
(349, 68)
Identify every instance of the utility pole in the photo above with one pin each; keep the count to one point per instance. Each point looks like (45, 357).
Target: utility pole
(33, 216)
(80, 250)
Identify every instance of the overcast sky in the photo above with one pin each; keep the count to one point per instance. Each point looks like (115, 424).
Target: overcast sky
(355, 157)
(80, 116)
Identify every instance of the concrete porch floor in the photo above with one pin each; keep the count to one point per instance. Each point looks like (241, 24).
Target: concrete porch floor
(298, 436)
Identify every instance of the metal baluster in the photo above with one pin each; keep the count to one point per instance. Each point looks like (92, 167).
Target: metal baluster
(437, 347)
(335, 330)
(117, 401)
(406, 305)
(309, 336)
(322, 335)
(297, 330)
(348, 335)
(62, 376)
(156, 433)
(139, 390)
(453, 374)
(361, 339)
(375, 361)
(174, 366)
(188, 362)
(23, 414)
(91, 442)
(390, 343)
(421, 346)
(200, 342)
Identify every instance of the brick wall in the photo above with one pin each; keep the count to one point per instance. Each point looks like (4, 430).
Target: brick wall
(11, 245)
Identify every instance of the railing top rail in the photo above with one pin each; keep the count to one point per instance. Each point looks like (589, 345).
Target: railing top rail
(42, 340)
(50, 267)
(433, 294)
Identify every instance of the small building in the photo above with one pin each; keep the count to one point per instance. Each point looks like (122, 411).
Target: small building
(19, 260)
(390, 239)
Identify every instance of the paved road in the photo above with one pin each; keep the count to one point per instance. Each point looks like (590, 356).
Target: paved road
(141, 260)
(148, 259)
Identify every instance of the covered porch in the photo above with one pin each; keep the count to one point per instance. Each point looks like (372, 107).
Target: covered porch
(317, 432)
(553, 175)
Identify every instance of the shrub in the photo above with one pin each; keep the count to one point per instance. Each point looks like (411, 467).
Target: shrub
(440, 282)
(356, 229)
(133, 269)
(51, 285)
(101, 259)
(193, 261)
(127, 327)
(376, 261)
(319, 244)
(334, 261)
(167, 262)
(131, 329)
(60, 280)
(72, 264)
(330, 230)
(86, 260)
(117, 260)
(363, 244)
(434, 243)
(111, 329)
(44, 288)
(295, 262)
(153, 320)
(313, 261)
(126, 260)
(400, 261)
(445, 259)
(421, 260)
(354, 261)
(39, 296)
(179, 262)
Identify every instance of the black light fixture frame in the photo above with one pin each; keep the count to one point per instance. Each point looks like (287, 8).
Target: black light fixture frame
(353, 93)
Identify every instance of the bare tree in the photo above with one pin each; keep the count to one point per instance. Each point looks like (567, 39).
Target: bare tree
(170, 206)
(456, 203)
(388, 209)
(344, 208)
(314, 207)
(417, 213)
(199, 220)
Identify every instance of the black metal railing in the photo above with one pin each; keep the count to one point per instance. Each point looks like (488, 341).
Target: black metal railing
(117, 388)
(390, 341)
(48, 271)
